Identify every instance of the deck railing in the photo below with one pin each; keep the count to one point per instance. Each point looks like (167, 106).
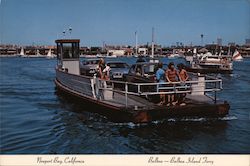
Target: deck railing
(202, 85)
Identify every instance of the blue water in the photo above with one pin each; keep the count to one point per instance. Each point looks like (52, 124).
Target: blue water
(34, 119)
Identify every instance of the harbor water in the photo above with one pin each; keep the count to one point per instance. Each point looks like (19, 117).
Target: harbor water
(35, 119)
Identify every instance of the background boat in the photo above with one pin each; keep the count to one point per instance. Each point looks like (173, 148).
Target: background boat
(37, 55)
(50, 55)
(237, 56)
(21, 52)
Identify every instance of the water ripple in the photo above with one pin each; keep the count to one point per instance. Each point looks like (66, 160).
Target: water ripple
(34, 119)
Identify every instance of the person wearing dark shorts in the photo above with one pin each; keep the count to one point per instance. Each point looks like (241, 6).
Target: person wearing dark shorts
(171, 76)
(183, 78)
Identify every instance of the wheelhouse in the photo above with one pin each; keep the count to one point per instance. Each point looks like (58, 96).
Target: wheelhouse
(68, 55)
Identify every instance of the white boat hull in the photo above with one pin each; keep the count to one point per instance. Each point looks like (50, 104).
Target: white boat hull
(237, 56)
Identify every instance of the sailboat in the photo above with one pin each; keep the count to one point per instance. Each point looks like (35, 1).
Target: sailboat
(38, 53)
(22, 54)
(237, 56)
(50, 55)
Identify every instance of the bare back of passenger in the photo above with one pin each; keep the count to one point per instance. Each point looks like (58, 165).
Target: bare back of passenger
(183, 75)
(172, 74)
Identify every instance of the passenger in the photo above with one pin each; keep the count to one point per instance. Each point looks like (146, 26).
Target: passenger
(160, 77)
(171, 76)
(183, 78)
(102, 69)
(106, 72)
(101, 66)
(225, 62)
(138, 71)
(182, 73)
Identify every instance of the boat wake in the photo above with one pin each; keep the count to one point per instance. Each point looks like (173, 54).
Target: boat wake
(175, 120)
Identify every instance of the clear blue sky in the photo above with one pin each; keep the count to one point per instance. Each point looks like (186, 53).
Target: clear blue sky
(115, 21)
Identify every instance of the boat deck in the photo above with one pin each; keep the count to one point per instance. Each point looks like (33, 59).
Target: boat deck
(136, 102)
(132, 101)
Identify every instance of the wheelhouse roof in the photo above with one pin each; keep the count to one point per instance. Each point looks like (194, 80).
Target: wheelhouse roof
(146, 63)
(68, 41)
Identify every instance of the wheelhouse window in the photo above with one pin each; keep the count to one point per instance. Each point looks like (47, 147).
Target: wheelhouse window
(150, 69)
(68, 50)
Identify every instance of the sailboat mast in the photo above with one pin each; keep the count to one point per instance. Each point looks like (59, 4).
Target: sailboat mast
(152, 43)
(136, 46)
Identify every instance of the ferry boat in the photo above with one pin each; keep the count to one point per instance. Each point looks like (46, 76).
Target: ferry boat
(125, 105)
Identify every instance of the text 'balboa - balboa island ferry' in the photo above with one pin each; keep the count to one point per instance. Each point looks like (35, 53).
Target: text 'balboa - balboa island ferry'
(130, 102)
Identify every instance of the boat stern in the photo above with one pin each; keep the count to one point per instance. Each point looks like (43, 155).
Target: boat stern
(223, 109)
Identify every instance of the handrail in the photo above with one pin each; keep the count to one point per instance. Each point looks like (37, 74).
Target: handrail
(172, 83)
(199, 86)
(174, 87)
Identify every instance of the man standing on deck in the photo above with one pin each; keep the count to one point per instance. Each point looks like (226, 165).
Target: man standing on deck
(171, 76)
(101, 74)
(183, 78)
(160, 77)
(182, 73)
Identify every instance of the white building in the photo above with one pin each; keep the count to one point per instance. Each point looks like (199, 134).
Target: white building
(116, 52)
(142, 51)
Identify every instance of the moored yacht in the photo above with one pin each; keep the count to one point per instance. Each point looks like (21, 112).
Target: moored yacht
(208, 63)
(175, 55)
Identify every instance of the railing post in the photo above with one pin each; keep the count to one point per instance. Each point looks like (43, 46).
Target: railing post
(174, 88)
(93, 84)
(220, 84)
(215, 97)
(215, 92)
(138, 88)
(97, 88)
(126, 94)
(113, 88)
